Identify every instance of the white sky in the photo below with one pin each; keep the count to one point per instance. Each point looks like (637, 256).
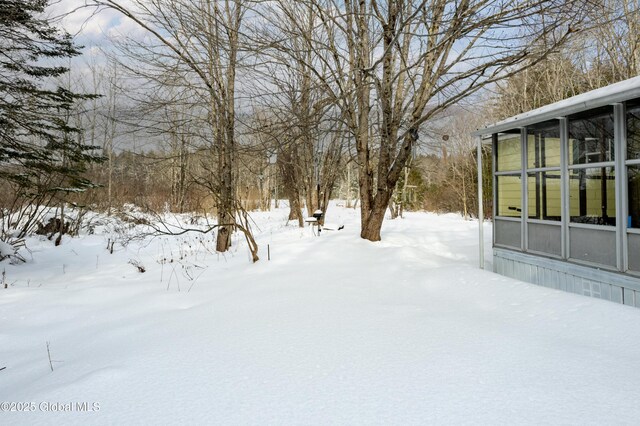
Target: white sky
(91, 28)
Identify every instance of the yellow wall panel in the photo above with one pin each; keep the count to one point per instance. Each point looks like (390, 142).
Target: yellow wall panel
(551, 152)
(509, 154)
(509, 196)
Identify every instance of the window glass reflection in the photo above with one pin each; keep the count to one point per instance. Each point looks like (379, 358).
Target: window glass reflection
(509, 192)
(633, 130)
(543, 193)
(591, 137)
(543, 145)
(592, 195)
(508, 152)
(633, 217)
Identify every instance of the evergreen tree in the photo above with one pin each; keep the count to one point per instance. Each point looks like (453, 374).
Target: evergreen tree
(37, 141)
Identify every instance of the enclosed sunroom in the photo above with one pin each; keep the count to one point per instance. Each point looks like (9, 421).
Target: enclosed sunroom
(566, 194)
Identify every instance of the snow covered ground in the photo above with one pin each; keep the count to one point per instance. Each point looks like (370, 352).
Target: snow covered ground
(331, 330)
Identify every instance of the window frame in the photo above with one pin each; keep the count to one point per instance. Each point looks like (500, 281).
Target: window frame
(570, 167)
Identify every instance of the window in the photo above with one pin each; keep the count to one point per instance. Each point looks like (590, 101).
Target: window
(592, 195)
(508, 151)
(543, 145)
(508, 178)
(509, 195)
(592, 189)
(543, 183)
(591, 137)
(633, 130)
(544, 195)
(633, 220)
(633, 184)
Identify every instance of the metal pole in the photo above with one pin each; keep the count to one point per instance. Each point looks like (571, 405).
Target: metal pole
(524, 189)
(621, 188)
(480, 204)
(564, 189)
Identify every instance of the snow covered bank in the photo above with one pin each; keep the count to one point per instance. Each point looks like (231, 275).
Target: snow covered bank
(332, 330)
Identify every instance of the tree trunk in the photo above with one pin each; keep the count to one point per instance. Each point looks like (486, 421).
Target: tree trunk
(226, 205)
(370, 228)
(287, 162)
(295, 212)
(226, 215)
(393, 209)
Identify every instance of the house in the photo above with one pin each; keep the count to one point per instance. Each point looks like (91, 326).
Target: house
(566, 194)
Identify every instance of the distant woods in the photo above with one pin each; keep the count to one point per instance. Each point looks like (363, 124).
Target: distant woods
(605, 51)
(219, 107)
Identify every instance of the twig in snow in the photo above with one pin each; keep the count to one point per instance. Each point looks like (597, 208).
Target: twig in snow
(138, 265)
(49, 354)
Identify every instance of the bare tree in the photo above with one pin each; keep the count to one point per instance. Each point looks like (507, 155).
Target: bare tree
(371, 73)
(617, 35)
(303, 117)
(606, 51)
(201, 39)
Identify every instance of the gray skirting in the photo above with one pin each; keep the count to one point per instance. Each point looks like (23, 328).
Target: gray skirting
(567, 276)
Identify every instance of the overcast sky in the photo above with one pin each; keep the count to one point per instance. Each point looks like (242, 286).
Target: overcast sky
(91, 27)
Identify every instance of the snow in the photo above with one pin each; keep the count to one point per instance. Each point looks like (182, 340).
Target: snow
(332, 330)
(6, 250)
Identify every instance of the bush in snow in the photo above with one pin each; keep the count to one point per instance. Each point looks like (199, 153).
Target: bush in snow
(10, 251)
